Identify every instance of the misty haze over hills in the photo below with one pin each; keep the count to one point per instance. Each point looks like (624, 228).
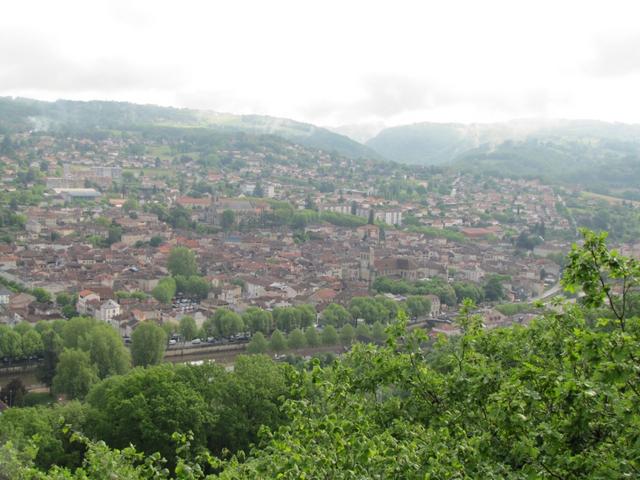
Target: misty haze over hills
(437, 143)
(20, 114)
(604, 157)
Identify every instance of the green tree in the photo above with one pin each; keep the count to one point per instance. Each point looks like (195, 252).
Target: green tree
(75, 373)
(63, 299)
(257, 320)
(188, 328)
(32, 343)
(601, 273)
(76, 329)
(106, 350)
(148, 344)
(52, 345)
(10, 343)
(493, 289)
(308, 315)
(258, 344)
(228, 220)
(347, 334)
(371, 310)
(145, 408)
(22, 328)
(254, 397)
(114, 234)
(296, 339)
(165, 290)
(329, 335)
(182, 261)
(363, 332)
(287, 318)
(227, 322)
(131, 204)
(41, 295)
(336, 315)
(468, 290)
(418, 306)
(378, 333)
(169, 328)
(155, 241)
(13, 393)
(277, 343)
(197, 287)
(311, 334)
(41, 427)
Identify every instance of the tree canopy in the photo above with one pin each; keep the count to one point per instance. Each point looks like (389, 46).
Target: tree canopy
(182, 261)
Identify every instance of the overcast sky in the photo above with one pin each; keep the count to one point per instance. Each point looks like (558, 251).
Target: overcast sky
(333, 62)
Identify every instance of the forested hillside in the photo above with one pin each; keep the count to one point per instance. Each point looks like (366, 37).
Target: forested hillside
(22, 114)
(558, 398)
(600, 156)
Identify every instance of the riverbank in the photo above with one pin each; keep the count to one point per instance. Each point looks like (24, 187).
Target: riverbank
(222, 354)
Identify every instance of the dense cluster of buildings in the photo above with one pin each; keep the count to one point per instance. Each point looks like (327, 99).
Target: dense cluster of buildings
(260, 266)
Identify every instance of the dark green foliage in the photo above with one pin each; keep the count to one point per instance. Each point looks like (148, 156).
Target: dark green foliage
(435, 286)
(13, 393)
(373, 309)
(278, 342)
(148, 344)
(224, 323)
(335, 314)
(417, 306)
(182, 261)
(75, 374)
(188, 328)
(193, 286)
(288, 318)
(311, 335)
(296, 339)
(165, 290)
(257, 320)
(43, 426)
(329, 335)
(258, 344)
(493, 289)
(145, 407)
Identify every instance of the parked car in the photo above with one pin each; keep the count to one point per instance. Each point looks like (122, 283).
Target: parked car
(196, 341)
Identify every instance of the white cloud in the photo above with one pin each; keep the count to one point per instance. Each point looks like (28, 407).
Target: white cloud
(332, 62)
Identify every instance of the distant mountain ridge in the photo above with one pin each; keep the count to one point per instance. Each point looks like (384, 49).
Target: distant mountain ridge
(439, 143)
(20, 114)
(601, 156)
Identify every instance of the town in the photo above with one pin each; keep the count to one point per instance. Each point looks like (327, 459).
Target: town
(272, 224)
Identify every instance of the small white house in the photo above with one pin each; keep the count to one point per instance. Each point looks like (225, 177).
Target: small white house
(108, 311)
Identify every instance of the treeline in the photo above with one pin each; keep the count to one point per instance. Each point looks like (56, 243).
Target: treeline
(449, 293)
(365, 311)
(312, 337)
(75, 354)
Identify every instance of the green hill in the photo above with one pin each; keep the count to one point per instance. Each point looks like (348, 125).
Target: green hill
(598, 155)
(22, 114)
